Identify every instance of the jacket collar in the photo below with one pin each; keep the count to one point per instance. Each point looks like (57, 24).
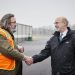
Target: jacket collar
(57, 33)
(68, 35)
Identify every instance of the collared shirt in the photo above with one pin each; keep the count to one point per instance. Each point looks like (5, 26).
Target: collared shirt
(64, 33)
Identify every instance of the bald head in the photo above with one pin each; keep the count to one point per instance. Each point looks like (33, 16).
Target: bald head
(62, 19)
(61, 23)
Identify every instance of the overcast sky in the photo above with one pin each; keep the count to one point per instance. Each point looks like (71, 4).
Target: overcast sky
(39, 13)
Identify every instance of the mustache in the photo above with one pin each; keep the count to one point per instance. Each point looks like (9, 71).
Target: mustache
(11, 27)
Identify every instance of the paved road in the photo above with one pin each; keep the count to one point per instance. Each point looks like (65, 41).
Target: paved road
(42, 68)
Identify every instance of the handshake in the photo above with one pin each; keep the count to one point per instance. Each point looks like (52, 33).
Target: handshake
(28, 60)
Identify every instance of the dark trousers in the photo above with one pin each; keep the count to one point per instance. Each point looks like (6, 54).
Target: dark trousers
(18, 67)
(5, 72)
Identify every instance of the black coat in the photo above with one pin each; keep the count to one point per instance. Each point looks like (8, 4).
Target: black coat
(62, 53)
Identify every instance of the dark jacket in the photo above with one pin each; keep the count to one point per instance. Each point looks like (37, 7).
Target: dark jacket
(62, 53)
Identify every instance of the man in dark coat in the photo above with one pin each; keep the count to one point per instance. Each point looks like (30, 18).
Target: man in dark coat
(61, 48)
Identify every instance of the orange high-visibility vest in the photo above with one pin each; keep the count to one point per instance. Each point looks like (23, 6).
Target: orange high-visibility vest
(5, 62)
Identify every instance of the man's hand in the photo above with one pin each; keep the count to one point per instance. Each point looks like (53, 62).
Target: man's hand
(21, 49)
(28, 60)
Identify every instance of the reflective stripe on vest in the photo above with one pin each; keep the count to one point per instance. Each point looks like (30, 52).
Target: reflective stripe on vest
(5, 62)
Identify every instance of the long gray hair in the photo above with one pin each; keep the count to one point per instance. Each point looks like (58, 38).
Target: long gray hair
(6, 20)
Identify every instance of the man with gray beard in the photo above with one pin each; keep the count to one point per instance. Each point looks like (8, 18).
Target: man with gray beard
(10, 54)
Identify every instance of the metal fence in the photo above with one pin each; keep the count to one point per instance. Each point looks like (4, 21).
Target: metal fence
(22, 32)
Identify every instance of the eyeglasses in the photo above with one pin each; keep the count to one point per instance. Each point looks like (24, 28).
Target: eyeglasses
(57, 22)
(13, 22)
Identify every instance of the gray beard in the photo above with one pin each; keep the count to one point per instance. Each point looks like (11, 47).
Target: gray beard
(13, 30)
